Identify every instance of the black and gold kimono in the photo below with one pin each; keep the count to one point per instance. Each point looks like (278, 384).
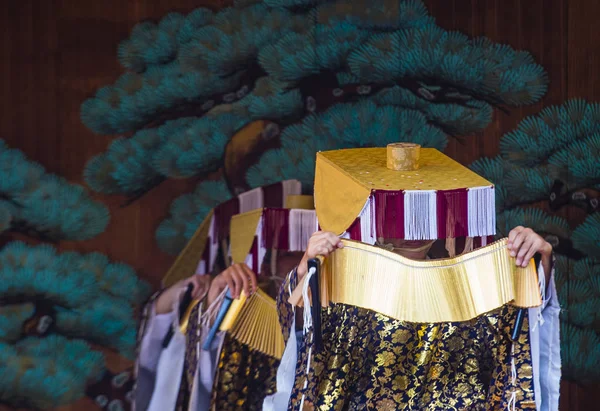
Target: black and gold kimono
(372, 362)
(245, 377)
(242, 379)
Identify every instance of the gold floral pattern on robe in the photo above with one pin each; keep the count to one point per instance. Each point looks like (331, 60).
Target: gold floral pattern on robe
(372, 362)
(285, 309)
(244, 377)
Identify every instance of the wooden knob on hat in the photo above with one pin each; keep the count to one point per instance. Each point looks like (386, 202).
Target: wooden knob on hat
(403, 156)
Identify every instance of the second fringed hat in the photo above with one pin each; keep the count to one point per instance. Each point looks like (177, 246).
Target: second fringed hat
(275, 229)
(401, 191)
(200, 254)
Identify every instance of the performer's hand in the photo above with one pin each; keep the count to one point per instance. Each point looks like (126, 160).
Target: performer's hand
(320, 243)
(239, 277)
(524, 243)
(166, 301)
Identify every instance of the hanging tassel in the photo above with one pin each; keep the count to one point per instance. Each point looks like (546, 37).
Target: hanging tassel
(261, 249)
(306, 301)
(274, 263)
(210, 314)
(451, 247)
(468, 245)
(306, 374)
(199, 331)
(307, 325)
(512, 403)
(542, 283)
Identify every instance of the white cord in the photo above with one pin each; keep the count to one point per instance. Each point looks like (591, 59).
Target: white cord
(512, 403)
(307, 311)
(542, 283)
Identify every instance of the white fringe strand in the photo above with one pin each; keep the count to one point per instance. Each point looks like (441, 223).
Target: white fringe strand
(302, 225)
(481, 211)
(201, 268)
(420, 215)
(251, 200)
(367, 222)
(290, 188)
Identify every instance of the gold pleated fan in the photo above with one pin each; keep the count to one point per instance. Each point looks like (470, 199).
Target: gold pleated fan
(254, 321)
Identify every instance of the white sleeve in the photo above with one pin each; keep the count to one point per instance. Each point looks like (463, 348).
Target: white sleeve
(151, 345)
(545, 345)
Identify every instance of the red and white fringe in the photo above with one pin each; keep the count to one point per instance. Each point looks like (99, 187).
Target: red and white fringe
(426, 215)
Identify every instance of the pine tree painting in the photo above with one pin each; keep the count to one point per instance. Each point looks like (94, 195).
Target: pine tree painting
(552, 159)
(54, 306)
(42, 205)
(254, 90)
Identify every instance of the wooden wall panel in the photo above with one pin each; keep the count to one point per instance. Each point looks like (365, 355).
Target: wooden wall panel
(581, 63)
(56, 53)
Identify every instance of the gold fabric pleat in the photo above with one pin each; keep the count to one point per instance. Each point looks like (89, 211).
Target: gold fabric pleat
(428, 291)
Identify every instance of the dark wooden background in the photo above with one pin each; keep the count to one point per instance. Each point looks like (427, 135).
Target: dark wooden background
(56, 53)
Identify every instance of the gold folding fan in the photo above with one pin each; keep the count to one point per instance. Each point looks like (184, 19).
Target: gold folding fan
(254, 321)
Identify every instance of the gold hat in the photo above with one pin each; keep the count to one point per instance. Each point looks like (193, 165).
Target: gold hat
(201, 251)
(401, 191)
(254, 232)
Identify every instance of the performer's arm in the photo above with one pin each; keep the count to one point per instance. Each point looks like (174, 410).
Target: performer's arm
(153, 332)
(161, 315)
(524, 243)
(161, 311)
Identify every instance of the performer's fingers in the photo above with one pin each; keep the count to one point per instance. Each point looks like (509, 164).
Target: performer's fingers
(318, 234)
(230, 283)
(249, 279)
(513, 234)
(251, 275)
(523, 251)
(325, 248)
(334, 240)
(238, 280)
(528, 257)
(245, 281)
(535, 248)
(516, 244)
